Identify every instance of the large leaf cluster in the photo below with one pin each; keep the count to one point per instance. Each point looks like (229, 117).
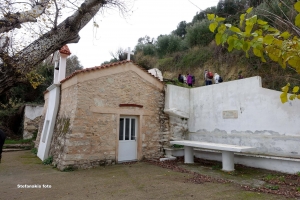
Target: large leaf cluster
(258, 36)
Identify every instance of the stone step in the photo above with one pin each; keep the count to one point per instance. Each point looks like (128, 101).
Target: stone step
(12, 146)
(10, 150)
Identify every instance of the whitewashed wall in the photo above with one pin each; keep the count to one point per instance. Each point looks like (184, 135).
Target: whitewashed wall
(177, 101)
(241, 112)
(259, 109)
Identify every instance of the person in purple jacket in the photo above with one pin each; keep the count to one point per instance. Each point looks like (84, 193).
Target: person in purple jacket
(189, 80)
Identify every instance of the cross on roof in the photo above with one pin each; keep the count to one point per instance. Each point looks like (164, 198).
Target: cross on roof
(129, 52)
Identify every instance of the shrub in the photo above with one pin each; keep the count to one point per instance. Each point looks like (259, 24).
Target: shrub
(199, 34)
(34, 151)
(48, 161)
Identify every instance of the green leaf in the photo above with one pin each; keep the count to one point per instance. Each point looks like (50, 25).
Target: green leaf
(257, 52)
(277, 43)
(295, 89)
(219, 19)
(249, 10)
(273, 57)
(213, 26)
(252, 20)
(265, 27)
(242, 18)
(268, 39)
(271, 29)
(218, 38)
(238, 44)
(297, 6)
(222, 28)
(274, 53)
(248, 28)
(292, 97)
(230, 42)
(285, 35)
(258, 32)
(261, 22)
(294, 62)
(210, 16)
(297, 20)
(246, 46)
(235, 29)
(257, 42)
(283, 97)
(285, 88)
(262, 58)
(224, 38)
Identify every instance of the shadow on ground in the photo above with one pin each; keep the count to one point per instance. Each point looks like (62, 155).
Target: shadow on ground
(142, 180)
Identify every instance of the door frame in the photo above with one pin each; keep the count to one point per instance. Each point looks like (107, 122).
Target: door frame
(138, 135)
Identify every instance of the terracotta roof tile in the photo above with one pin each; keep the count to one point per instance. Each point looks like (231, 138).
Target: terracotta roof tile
(65, 50)
(103, 67)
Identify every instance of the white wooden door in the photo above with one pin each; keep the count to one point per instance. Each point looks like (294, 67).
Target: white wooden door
(127, 139)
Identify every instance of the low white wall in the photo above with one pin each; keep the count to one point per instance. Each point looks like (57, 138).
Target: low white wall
(241, 112)
(177, 101)
(31, 120)
(258, 109)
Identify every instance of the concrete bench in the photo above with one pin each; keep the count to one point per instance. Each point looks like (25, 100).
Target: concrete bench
(226, 149)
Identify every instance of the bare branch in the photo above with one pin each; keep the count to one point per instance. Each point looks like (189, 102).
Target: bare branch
(14, 67)
(56, 15)
(14, 20)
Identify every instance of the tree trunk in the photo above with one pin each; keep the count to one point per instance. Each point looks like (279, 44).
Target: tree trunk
(14, 68)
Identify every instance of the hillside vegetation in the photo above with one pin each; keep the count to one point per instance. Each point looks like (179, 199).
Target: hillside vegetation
(190, 48)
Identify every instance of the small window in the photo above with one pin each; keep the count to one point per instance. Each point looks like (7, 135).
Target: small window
(127, 128)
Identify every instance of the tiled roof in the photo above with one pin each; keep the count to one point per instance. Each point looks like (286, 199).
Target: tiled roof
(103, 67)
(65, 50)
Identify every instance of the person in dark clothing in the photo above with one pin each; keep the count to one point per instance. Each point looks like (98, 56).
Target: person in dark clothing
(180, 78)
(2, 139)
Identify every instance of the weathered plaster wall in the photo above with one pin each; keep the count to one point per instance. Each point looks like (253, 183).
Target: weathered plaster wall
(258, 109)
(177, 105)
(241, 112)
(178, 128)
(177, 101)
(91, 103)
(32, 117)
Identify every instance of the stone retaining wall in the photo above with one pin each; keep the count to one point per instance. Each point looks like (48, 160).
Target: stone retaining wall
(32, 118)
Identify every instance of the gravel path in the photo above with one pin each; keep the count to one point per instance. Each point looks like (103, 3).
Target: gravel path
(140, 180)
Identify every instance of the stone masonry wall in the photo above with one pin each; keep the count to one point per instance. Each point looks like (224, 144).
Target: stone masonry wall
(91, 137)
(32, 117)
(63, 126)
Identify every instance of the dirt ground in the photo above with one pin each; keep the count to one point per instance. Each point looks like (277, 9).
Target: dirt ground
(141, 180)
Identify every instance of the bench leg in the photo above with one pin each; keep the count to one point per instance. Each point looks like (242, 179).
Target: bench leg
(227, 161)
(188, 154)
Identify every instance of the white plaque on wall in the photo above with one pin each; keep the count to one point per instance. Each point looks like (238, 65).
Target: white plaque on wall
(230, 114)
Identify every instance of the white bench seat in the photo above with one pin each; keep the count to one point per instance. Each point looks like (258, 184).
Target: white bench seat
(226, 149)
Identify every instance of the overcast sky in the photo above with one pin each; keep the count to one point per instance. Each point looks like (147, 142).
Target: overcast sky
(147, 17)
